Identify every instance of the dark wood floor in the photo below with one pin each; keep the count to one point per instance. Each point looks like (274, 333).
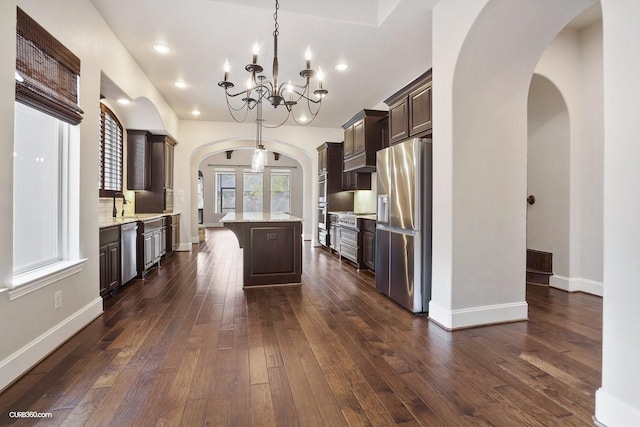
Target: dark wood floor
(188, 347)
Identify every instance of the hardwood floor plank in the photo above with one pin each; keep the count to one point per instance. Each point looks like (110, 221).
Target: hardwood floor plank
(187, 346)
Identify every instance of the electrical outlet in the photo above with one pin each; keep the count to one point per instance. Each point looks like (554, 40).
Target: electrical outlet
(57, 299)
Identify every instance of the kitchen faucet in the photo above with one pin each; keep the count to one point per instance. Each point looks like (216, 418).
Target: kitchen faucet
(124, 202)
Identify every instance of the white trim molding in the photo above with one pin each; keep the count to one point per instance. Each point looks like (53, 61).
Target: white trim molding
(612, 412)
(16, 364)
(186, 247)
(576, 284)
(478, 316)
(26, 283)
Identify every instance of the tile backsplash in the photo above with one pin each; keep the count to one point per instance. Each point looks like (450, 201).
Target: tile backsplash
(106, 205)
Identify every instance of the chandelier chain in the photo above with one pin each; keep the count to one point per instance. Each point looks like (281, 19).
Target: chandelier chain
(276, 32)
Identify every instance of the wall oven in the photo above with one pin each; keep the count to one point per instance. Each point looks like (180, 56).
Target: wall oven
(322, 188)
(322, 217)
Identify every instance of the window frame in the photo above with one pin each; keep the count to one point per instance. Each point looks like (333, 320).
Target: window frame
(279, 172)
(219, 190)
(104, 110)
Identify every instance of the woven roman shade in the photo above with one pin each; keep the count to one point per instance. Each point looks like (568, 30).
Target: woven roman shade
(49, 70)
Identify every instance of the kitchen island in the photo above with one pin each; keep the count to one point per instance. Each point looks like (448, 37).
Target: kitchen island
(272, 247)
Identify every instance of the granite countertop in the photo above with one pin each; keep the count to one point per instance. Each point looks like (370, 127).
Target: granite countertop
(110, 221)
(259, 217)
(367, 216)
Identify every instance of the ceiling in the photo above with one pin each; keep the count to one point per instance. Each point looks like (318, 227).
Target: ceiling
(386, 43)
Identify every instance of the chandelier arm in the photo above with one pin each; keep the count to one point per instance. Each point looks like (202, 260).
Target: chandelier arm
(279, 124)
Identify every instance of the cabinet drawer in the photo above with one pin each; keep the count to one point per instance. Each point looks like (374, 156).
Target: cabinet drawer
(349, 236)
(369, 225)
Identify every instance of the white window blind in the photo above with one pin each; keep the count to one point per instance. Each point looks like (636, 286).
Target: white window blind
(111, 149)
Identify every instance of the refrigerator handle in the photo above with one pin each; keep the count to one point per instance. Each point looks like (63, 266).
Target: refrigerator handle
(383, 209)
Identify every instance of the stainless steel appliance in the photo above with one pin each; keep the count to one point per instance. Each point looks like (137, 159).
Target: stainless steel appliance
(334, 232)
(349, 237)
(128, 253)
(403, 228)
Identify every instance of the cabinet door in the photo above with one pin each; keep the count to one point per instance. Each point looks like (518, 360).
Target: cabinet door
(138, 161)
(322, 160)
(149, 248)
(348, 142)
(168, 165)
(368, 249)
(174, 237)
(114, 265)
(398, 121)
(104, 269)
(420, 109)
(358, 137)
(163, 241)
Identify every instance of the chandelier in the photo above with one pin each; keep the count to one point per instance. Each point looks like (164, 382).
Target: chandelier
(278, 94)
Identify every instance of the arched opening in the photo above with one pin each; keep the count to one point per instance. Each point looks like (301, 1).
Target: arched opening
(548, 181)
(298, 155)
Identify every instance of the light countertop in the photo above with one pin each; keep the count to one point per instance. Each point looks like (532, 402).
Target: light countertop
(110, 221)
(259, 217)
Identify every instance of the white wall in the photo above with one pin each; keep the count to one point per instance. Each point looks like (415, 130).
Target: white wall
(479, 203)
(548, 173)
(200, 139)
(618, 400)
(573, 62)
(239, 162)
(29, 326)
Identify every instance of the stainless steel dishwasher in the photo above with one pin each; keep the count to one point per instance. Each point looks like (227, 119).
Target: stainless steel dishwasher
(128, 251)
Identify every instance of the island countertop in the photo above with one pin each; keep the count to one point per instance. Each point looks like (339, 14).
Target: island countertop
(259, 217)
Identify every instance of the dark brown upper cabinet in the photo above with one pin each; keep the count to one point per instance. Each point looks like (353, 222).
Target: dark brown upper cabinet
(138, 160)
(362, 139)
(410, 110)
(150, 162)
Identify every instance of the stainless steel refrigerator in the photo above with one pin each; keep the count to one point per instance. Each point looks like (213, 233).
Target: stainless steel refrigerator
(403, 228)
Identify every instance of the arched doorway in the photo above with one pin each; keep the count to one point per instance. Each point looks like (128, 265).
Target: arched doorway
(548, 181)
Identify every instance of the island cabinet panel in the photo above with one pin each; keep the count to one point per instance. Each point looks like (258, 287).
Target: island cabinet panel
(272, 253)
(410, 110)
(271, 246)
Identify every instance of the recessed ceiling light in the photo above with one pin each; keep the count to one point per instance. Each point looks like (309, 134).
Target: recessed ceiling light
(160, 48)
(124, 101)
(180, 84)
(195, 112)
(342, 66)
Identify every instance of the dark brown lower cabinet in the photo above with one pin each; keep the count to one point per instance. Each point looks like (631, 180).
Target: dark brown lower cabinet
(369, 243)
(152, 243)
(109, 256)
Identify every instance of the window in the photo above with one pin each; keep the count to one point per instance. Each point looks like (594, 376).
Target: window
(280, 191)
(39, 196)
(46, 160)
(252, 192)
(226, 192)
(111, 147)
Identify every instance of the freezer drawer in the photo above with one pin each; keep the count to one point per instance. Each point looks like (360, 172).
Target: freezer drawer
(382, 261)
(402, 271)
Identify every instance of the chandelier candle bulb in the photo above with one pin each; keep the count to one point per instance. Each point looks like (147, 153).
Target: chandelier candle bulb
(307, 56)
(227, 68)
(256, 51)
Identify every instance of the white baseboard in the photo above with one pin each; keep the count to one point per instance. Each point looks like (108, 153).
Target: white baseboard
(12, 367)
(307, 237)
(612, 412)
(576, 284)
(478, 316)
(185, 247)
(212, 225)
(195, 239)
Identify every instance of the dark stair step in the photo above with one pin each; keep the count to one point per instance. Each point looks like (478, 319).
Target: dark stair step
(538, 277)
